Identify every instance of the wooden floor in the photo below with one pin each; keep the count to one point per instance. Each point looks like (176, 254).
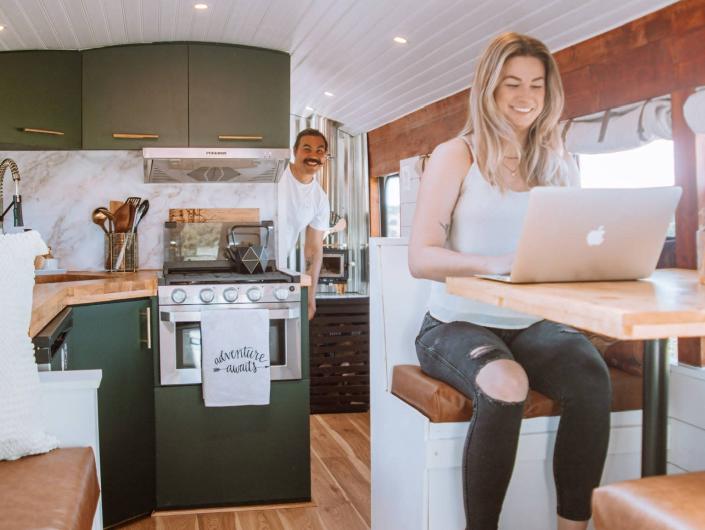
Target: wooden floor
(340, 480)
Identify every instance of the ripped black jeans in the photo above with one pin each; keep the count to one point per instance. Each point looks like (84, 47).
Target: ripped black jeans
(561, 364)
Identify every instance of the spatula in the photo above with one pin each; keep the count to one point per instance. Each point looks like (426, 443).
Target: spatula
(134, 202)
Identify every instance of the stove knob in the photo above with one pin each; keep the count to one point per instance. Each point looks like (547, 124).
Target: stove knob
(178, 296)
(254, 294)
(230, 294)
(207, 295)
(281, 293)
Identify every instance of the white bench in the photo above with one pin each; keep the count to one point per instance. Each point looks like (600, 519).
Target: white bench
(416, 477)
(69, 405)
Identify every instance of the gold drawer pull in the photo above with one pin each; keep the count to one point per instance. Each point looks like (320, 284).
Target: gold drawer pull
(42, 131)
(240, 138)
(135, 136)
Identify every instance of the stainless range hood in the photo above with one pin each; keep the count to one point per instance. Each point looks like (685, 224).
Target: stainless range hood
(221, 165)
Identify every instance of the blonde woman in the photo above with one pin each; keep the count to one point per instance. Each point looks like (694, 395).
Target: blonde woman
(472, 200)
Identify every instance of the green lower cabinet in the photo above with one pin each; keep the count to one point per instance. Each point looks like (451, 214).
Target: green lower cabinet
(305, 335)
(216, 456)
(226, 456)
(113, 337)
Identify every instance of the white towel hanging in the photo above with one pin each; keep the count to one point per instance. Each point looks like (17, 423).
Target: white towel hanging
(235, 357)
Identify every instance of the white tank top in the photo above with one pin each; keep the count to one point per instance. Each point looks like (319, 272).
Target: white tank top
(488, 222)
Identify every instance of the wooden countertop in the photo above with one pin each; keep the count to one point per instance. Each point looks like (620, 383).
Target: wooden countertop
(51, 296)
(670, 303)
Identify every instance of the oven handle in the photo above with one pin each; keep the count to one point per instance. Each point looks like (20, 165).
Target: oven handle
(195, 316)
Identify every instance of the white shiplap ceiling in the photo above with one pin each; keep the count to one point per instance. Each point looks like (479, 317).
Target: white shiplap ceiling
(343, 47)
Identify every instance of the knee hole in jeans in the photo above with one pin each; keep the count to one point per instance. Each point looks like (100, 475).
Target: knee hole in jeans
(503, 380)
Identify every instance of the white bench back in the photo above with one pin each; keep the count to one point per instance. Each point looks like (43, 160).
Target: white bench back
(400, 302)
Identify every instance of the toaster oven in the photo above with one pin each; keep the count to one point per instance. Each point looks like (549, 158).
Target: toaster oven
(334, 268)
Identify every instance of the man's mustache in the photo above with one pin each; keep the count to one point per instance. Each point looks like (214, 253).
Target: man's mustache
(314, 160)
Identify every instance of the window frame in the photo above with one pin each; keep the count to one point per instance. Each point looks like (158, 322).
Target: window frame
(382, 182)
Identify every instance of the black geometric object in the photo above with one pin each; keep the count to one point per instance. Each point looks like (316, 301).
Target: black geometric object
(249, 259)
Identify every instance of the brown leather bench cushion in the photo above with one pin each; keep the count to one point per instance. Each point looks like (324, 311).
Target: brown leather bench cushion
(654, 503)
(57, 490)
(627, 356)
(440, 402)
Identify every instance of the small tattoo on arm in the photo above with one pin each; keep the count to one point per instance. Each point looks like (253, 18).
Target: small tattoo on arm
(309, 263)
(446, 228)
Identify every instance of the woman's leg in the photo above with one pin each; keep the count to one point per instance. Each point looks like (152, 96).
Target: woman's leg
(562, 364)
(477, 363)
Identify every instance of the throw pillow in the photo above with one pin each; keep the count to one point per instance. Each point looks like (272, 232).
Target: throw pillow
(21, 430)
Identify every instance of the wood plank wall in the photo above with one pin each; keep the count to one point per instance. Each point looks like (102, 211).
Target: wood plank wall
(414, 134)
(660, 53)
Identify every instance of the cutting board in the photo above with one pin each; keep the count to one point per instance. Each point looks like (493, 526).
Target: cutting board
(202, 215)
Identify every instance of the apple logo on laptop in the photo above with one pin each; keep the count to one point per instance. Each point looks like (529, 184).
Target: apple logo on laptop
(596, 237)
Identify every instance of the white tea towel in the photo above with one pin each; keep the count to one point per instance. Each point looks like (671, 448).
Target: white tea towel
(235, 357)
(21, 428)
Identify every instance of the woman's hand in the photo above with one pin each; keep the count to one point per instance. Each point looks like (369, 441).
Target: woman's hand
(500, 264)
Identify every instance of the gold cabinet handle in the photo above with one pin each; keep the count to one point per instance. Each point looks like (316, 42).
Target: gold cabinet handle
(135, 136)
(42, 131)
(239, 138)
(147, 313)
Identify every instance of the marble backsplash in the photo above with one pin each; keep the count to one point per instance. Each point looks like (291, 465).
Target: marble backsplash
(60, 189)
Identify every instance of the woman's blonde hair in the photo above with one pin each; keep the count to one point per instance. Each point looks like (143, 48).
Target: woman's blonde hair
(542, 160)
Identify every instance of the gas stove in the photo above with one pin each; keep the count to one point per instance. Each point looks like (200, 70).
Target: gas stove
(214, 282)
(198, 274)
(225, 277)
(187, 290)
(215, 294)
(198, 283)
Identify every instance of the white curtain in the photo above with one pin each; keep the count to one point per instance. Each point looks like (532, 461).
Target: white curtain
(694, 111)
(619, 129)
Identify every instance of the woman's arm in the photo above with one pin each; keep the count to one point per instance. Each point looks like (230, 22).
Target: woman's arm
(438, 193)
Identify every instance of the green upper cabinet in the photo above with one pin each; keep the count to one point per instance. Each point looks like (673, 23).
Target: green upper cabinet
(40, 91)
(236, 92)
(135, 96)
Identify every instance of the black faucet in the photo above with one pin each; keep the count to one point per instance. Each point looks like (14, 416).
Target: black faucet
(16, 203)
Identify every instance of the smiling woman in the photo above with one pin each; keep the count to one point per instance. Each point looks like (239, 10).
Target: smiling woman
(471, 203)
(519, 103)
(521, 91)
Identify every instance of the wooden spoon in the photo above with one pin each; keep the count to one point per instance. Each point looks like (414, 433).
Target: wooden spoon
(122, 218)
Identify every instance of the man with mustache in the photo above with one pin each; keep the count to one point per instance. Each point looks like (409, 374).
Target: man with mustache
(304, 205)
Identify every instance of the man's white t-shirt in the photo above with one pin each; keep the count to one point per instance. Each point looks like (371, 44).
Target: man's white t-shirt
(300, 205)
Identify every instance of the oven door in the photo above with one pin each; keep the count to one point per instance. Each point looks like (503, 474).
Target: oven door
(180, 341)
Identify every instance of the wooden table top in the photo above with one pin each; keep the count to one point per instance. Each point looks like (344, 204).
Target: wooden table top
(670, 303)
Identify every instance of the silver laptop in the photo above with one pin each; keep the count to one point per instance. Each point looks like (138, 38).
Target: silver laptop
(576, 234)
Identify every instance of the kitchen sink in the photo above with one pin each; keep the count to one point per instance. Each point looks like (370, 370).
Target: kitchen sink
(71, 277)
